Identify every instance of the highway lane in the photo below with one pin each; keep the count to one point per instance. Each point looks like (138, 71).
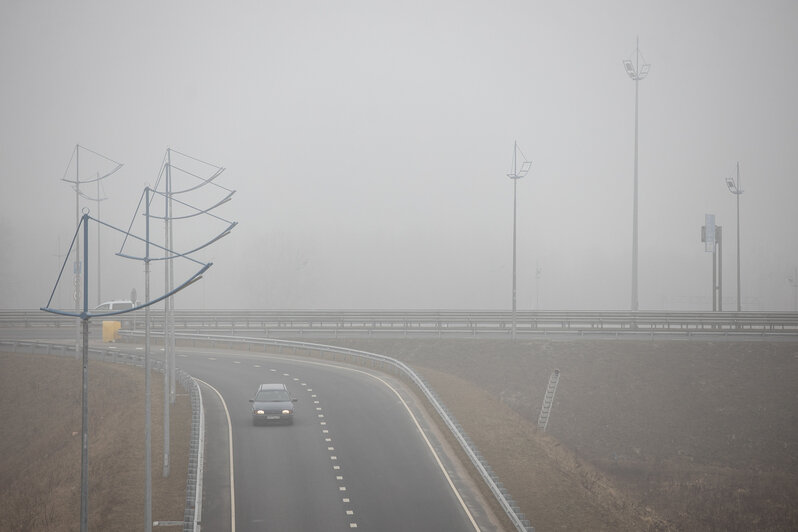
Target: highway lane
(378, 450)
(354, 457)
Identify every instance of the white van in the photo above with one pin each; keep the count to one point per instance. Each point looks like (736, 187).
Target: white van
(115, 305)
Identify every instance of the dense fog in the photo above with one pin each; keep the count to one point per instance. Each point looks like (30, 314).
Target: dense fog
(369, 145)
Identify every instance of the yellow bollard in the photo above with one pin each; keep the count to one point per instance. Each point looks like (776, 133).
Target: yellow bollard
(111, 330)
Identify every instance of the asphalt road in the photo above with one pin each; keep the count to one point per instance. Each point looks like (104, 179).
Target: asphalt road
(354, 458)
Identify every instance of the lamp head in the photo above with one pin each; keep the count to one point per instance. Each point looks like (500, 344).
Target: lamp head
(525, 166)
(630, 68)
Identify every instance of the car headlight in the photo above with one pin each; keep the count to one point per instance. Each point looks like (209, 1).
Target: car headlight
(286, 412)
(259, 412)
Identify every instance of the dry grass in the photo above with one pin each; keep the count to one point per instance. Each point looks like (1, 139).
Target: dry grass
(40, 446)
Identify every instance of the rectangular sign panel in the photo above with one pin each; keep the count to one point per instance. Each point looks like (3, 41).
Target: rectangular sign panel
(709, 240)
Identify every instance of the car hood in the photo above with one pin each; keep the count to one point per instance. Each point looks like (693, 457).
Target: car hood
(273, 405)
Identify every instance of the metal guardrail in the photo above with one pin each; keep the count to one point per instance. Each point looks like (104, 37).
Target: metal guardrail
(193, 509)
(501, 494)
(454, 323)
(192, 516)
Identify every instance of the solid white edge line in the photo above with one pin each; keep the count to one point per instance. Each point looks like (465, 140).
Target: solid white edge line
(230, 439)
(431, 448)
(200, 463)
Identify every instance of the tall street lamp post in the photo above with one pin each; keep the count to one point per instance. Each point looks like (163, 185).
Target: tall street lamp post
(794, 283)
(636, 72)
(734, 188)
(517, 174)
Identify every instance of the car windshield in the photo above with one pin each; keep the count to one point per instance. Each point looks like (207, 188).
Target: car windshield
(268, 396)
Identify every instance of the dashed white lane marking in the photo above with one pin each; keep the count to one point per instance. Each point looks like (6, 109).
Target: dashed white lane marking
(339, 478)
(423, 435)
(337, 468)
(139, 349)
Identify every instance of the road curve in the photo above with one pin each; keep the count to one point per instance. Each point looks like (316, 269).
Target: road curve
(355, 457)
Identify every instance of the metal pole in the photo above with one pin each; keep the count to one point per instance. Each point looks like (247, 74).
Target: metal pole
(537, 286)
(515, 176)
(634, 208)
(166, 314)
(715, 275)
(719, 237)
(795, 290)
(76, 270)
(739, 191)
(147, 370)
(99, 297)
(515, 186)
(84, 456)
(171, 302)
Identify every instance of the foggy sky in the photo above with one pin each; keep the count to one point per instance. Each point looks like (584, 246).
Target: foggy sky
(369, 143)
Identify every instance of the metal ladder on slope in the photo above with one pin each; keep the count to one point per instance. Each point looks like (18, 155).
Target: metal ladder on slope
(548, 400)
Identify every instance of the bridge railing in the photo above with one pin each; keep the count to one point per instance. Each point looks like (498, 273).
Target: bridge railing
(440, 322)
